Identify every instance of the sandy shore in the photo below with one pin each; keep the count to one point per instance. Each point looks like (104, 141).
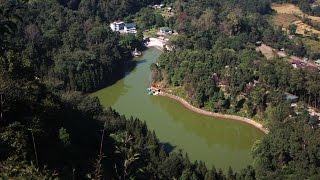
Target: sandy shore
(218, 115)
(157, 43)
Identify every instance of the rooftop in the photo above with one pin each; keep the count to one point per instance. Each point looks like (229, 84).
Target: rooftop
(130, 25)
(165, 29)
(118, 22)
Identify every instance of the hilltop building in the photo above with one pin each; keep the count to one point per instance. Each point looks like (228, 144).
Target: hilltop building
(122, 27)
(117, 26)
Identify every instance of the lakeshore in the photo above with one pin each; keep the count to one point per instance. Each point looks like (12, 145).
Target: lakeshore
(157, 43)
(212, 114)
(199, 135)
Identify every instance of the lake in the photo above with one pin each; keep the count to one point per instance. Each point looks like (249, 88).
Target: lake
(217, 142)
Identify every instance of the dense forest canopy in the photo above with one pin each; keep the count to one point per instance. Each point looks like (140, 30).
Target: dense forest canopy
(215, 64)
(73, 47)
(108, 10)
(50, 49)
(216, 46)
(46, 133)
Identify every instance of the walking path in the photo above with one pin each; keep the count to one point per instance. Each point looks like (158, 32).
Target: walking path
(218, 115)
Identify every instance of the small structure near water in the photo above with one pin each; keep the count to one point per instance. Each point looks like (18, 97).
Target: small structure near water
(153, 91)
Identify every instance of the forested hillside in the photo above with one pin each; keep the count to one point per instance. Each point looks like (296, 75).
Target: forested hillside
(107, 10)
(46, 133)
(214, 64)
(51, 49)
(70, 49)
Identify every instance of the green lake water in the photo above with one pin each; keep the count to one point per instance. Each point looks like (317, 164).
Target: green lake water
(218, 142)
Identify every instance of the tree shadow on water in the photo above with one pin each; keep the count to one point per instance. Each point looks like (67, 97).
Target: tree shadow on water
(167, 147)
(122, 73)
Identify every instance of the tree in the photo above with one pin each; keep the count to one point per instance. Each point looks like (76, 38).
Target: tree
(292, 29)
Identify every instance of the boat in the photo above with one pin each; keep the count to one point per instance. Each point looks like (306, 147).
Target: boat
(149, 91)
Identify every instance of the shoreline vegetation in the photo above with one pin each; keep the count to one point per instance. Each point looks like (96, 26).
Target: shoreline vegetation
(212, 114)
(157, 43)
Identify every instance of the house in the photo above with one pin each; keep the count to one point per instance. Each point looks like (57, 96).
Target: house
(117, 26)
(165, 31)
(122, 27)
(130, 28)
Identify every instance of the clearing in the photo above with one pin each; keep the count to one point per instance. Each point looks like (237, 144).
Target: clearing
(290, 14)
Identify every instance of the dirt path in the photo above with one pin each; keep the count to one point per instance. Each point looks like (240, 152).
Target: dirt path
(218, 115)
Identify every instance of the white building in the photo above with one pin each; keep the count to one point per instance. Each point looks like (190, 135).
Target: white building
(130, 28)
(117, 26)
(122, 27)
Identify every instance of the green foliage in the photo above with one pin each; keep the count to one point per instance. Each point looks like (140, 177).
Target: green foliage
(69, 49)
(148, 18)
(218, 66)
(46, 133)
(64, 136)
(292, 28)
(289, 150)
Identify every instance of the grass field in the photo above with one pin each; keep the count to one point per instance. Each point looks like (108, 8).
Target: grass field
(287, 8)
(284, 20)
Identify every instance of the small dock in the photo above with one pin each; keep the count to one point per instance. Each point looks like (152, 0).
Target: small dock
(153, 91)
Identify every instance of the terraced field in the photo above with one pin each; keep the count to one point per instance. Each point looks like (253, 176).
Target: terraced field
(290, 14)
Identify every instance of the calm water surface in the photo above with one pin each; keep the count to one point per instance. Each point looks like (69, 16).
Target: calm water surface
(216, 142)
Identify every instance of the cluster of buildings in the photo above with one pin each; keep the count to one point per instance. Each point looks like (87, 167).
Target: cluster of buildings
(296, 62)
(122, 27)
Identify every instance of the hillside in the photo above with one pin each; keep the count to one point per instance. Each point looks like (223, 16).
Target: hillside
(52, 53)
